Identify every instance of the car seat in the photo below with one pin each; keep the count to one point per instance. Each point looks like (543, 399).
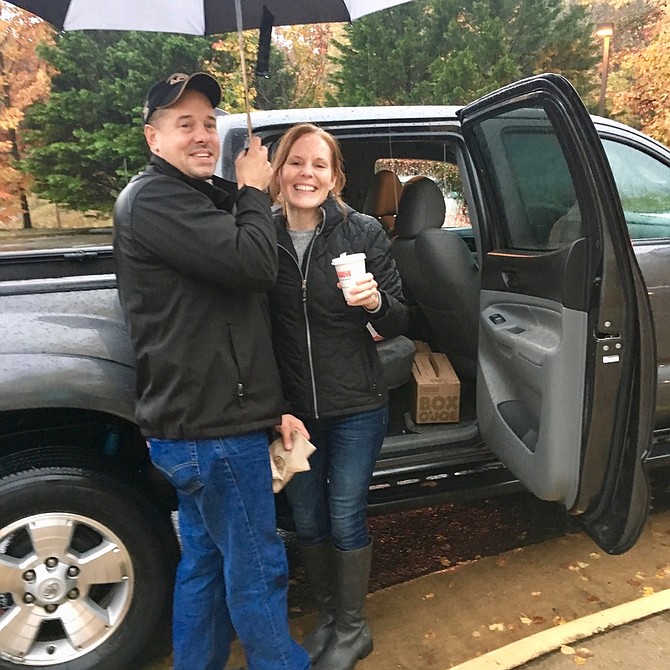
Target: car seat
(449, 297)
(382, 197)
(421, 207)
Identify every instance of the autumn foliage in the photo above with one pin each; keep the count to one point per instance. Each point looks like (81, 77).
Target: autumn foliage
(641, 81)
(24, 79)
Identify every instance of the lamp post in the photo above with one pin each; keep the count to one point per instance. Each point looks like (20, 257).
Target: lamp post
(604, 30)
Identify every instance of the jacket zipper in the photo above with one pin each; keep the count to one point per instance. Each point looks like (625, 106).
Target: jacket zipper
(303, 288)
(240, 385)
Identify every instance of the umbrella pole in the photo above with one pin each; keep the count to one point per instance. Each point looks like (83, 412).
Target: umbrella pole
(243, 64)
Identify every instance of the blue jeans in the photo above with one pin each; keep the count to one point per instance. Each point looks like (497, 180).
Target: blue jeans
(233, 571)
(331, 499)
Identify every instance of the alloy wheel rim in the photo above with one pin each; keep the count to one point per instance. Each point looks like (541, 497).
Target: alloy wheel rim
(66, 584)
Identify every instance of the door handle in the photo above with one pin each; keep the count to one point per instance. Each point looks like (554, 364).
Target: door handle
(510, 280)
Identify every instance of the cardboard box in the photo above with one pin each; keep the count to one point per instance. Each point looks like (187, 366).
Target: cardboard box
(421, 347)
(437, 391)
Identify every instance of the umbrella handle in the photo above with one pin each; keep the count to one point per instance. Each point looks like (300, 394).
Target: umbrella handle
(243, 64)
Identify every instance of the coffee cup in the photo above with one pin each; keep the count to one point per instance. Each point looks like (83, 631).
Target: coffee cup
(350, 268)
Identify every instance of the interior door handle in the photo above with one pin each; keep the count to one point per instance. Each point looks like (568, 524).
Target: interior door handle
(510, 280)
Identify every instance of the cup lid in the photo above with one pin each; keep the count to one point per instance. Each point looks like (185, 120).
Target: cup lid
(347, 258)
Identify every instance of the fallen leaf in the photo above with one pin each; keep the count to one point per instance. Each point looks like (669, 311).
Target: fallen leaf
(430, 635)
(592, 599)
(640, 575)
(648, 591)
(594, 556)
(445, 561)
(497, 626)
(579, 565)
(584, 652)
(579, 660)
(476, 633)
(568, 651)
(536, 593)
(525, 620)
(634, 583)
(558, 620)
(428, 596)
(660, 538)
(538, 620)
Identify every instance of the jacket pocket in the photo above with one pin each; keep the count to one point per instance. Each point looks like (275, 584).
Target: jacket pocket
(239, 389)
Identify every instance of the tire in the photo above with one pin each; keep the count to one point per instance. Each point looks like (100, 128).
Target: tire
(86, 568)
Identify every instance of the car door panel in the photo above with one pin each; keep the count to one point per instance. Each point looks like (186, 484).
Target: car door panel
(529, 365)
(563, 315)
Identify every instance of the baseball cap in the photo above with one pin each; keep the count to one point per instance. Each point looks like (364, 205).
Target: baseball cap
(167, 91)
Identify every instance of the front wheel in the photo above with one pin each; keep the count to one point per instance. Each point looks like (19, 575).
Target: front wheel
(86, 570)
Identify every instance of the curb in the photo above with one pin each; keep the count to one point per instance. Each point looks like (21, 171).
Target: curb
(529, 648)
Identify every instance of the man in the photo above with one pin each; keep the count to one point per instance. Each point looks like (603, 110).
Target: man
(191, 280)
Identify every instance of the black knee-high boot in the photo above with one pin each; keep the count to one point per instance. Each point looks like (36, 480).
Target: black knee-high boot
(352, 637)
(319, 562)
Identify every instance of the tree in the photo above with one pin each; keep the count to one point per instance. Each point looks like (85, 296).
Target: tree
(24, 79)
(300, 65)
(225, 65)
(451, 51)
(86, 139)
(277, 90)
(641, 65)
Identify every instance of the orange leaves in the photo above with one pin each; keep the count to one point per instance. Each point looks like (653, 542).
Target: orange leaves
(642, 81)
(24, 79)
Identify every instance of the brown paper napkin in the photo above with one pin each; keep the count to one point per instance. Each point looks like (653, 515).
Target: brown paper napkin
(284, 463)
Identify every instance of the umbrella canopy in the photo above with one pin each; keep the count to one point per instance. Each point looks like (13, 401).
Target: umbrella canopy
(195, 17)
(202, 17)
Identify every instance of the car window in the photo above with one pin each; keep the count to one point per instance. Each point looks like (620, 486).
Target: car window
(445, 174)
(533, 190)
(644, 187)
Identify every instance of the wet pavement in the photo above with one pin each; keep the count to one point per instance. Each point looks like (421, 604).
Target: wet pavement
(538, 607)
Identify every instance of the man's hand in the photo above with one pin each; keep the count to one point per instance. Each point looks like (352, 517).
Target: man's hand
(289, 423)
(252, 166)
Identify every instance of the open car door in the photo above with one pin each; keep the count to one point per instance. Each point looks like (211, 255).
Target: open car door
(567, 365)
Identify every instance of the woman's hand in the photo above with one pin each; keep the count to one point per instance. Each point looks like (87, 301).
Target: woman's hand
(364, 293)
(289, 423)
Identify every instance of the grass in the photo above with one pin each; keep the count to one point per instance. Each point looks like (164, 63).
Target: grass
(49, 219)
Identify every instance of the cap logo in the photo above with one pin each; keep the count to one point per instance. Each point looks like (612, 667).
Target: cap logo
(176, 78)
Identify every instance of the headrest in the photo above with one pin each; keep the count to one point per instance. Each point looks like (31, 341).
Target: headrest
(383, 194)
(421, 207)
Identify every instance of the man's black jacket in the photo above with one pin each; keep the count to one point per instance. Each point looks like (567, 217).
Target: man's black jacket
(191, 279)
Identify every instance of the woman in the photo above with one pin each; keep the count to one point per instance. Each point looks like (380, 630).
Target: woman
(332, 379)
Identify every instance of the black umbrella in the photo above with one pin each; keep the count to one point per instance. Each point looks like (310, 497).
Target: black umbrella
(201, 17)
(196, 17)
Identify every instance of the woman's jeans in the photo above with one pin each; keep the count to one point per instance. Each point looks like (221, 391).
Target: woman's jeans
(233, 567)
(331, 499)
